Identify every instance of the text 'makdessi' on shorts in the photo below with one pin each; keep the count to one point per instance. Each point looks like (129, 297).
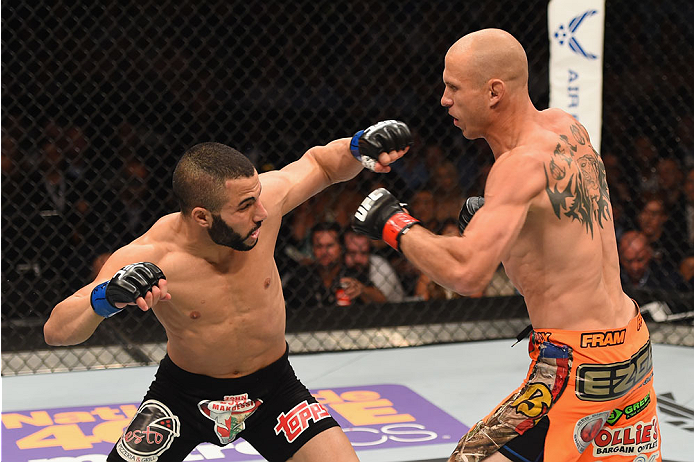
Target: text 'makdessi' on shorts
(270, 409)
(588, 396)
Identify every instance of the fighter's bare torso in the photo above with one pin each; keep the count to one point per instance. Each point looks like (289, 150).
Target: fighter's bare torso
(225, 318)
(565, 260)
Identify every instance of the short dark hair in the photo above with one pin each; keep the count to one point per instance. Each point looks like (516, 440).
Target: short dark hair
(200, 174)
(326, 226)
(654, 196)
(350, 231)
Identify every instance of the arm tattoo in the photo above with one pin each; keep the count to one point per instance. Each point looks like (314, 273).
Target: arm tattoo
(584, 196)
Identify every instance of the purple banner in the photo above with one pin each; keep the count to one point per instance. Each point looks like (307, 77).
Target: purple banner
(373, 417)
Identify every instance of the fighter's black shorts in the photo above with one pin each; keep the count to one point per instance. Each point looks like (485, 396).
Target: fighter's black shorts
(270, 408)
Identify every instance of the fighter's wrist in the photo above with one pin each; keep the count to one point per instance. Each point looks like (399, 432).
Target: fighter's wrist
(354, 145)
(367, 161)
(397, 225)
(100, 303)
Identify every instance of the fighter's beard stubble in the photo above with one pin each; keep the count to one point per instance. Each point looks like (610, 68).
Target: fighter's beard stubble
(223, 234)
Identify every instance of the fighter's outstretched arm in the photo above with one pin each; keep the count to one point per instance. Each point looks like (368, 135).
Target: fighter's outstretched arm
(338, 161)
(467, 263)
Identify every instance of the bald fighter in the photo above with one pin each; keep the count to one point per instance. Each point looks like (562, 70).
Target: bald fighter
(547, 217)
(209, 275)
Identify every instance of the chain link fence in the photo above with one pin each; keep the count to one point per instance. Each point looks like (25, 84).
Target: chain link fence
(99, 100)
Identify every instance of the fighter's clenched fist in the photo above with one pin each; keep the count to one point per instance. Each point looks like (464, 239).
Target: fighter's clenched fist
(381, 216)
(381, 144)
(136, 284)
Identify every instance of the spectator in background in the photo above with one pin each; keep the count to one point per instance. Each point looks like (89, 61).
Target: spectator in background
(665, 245)
(477, 188)
(447, 191)
(687, 271)
(412, 169)
(297, 247)
(120, 212)
(55, 206)
(13, 253)
(623, 208)
(640, 270)
(670, 186)
(327, 281)
(689, 207)
(136, 200)
(10, 162)
(433, 156)
(423, 207)
(75, 149)
(685, 141)
(333, 205)
(358, 258)
(645, 156)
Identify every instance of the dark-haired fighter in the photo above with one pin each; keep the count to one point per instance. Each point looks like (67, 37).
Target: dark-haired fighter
(589, 393)
(209, 274)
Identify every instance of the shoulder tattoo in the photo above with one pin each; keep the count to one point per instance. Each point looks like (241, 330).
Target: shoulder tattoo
(575, 181)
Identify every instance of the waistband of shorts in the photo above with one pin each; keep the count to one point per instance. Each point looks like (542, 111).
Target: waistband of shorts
(635, 332)
(202, 382)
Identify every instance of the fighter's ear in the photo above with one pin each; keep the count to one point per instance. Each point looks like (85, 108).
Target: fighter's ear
(497, 89)
(202, 216)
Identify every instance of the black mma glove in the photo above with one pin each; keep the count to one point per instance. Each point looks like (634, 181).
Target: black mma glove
(381, 216)
(472, 205)
(129, 283)
(385, 136)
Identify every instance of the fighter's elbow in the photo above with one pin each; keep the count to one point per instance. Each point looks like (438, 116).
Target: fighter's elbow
(55, 334)
(51, 335)
(469, 281)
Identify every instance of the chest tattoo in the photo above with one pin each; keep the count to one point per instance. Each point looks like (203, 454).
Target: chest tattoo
(575, 181)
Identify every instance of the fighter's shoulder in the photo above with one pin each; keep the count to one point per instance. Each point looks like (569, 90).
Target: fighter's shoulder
(556, 118)
(521, 160)
(139, 250)
(556, 114)
(562, 127)
(275, 186)
(273, 179)
(163, 230)
(159, 240)
(517, 172)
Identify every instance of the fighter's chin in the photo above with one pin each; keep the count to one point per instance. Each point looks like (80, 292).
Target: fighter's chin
(459, 124)
(251, 242)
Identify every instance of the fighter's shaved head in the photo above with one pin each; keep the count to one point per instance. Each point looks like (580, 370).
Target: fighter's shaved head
(490, 54)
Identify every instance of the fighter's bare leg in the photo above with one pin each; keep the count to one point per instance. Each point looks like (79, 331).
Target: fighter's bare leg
(331, 445)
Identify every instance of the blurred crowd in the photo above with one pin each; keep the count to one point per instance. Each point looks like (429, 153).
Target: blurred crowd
(70, 218)
(99, 103)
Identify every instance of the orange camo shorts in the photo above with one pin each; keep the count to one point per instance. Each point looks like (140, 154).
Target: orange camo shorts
(588, 396)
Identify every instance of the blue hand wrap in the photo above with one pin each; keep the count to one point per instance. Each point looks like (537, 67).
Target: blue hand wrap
(354, 145)
(365, 160)
(100, 304)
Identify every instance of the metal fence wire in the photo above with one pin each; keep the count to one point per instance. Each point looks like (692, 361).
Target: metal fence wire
(99, 100)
